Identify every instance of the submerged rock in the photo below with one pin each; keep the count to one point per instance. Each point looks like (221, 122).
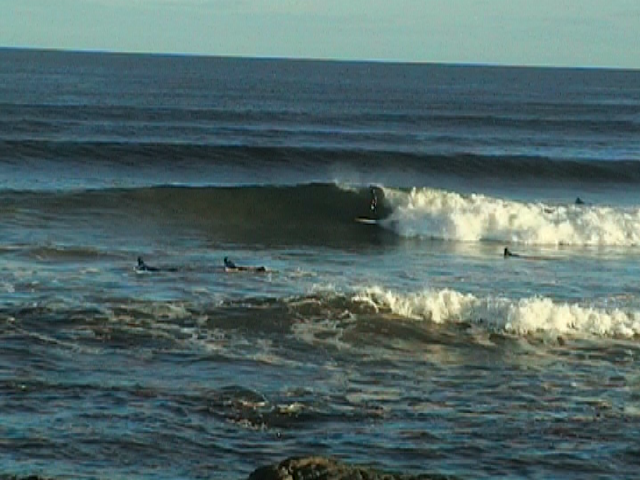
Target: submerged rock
(322, 468)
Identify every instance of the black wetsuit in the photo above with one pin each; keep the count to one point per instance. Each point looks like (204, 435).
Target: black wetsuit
(507, 253)
(143, 267)
(374, 201)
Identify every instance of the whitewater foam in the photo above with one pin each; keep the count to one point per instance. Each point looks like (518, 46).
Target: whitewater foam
(444, 215)
(519, 316)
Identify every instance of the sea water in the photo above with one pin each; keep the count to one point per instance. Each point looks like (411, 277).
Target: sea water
(411, 345)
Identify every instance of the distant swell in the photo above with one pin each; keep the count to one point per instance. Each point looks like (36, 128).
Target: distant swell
(156, 155)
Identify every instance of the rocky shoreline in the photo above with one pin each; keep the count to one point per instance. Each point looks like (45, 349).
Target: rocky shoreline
(312, 468)
(322, 468)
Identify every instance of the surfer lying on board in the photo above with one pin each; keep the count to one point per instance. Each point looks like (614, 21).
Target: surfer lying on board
(143, 267)
(230, 266)
(507, 253)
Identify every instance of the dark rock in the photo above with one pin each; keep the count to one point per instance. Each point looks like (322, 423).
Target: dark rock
(321, 468)
(30, 477)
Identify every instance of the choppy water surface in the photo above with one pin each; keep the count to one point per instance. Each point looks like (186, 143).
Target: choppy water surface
(411, 345)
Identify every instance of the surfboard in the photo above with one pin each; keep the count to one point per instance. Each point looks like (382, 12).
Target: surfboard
(245, 269)
(367, 221)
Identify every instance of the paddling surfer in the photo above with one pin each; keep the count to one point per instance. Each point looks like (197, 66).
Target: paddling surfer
(230, 266)
(507, 253)
(143, 267)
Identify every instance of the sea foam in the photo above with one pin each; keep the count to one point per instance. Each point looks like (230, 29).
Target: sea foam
(518, 316)
(444, 215)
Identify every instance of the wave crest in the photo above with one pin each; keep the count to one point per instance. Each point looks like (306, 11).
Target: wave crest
(446, 215)
(522, 316)
(324, 213)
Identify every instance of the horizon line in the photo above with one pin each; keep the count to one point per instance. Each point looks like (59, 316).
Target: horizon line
(314, 59)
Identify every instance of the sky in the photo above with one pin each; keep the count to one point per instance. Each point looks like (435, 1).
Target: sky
(579, 33)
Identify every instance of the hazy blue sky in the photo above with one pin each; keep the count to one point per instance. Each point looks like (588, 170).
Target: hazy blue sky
(518, 32)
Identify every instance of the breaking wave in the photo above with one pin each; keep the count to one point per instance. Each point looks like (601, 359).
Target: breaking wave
(444, 215)
(336, 312)
(324, 213)
(519, 316)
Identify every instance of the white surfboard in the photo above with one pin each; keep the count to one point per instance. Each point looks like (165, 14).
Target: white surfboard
(367, 221)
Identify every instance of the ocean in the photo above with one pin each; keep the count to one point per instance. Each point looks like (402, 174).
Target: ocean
(410, 345)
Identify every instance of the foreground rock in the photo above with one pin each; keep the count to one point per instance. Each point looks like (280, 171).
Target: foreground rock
(311, 468)
(321, 468)
(30, 477)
